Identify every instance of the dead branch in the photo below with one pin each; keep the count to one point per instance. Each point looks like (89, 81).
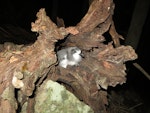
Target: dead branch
(142, 70)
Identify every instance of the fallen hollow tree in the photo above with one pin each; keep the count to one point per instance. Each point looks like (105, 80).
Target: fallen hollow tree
(26, 67)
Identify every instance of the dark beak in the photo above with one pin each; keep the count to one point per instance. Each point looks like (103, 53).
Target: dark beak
(82, 55)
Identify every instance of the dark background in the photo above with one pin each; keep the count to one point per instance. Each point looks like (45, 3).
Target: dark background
(16, 14)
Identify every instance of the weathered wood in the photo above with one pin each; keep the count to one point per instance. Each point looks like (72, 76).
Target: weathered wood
(26, 67)
(21, 66)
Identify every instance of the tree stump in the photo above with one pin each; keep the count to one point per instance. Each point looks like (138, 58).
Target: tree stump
(24, 68)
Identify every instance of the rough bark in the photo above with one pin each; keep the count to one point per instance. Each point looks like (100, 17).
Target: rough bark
(26, 67)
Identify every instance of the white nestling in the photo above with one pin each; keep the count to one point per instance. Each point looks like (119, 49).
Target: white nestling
(69, 56)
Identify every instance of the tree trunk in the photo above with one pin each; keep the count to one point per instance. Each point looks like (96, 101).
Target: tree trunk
(138, 20)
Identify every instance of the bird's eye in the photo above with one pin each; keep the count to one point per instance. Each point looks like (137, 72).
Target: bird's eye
(73, 51)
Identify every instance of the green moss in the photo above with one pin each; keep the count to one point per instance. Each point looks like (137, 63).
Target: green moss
(8, 94)
(54, 98)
